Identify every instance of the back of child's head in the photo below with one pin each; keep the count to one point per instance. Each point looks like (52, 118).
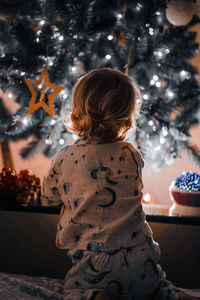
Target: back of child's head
(103, 104)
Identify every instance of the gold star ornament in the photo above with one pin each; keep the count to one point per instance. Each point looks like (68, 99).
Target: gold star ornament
(45, 82)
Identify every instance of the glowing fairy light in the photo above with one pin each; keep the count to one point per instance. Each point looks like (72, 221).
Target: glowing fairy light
(158, 148)
(10, 95)
(61, 37)
(119, 16)
(42, 22)
(164, 131)
(147, 25)
(25, 121)
(108, 56)
(138, 100)
(139, 6)
(146, 96)
(75, 36)
(155, 77)
(152, 82)
(158, 83)
(61, 141)
(56, 34)
(154, 128)
(150, 123)
(39, 32)
(37, 40)
(40, 86)
(162, 140)
(151, 31)
(159, 53)
(184, 74)
(110, 37)
(167, 50)
(147, 198)
(47, 141)
(73, 69)
(22, 73)
(65, 96)
(53, 122)
(50, 63)
(170, 94)
(157, 13)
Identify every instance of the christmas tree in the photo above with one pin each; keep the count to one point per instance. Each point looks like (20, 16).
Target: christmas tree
(69, 38)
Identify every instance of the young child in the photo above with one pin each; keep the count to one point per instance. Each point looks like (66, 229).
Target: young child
(98, 182)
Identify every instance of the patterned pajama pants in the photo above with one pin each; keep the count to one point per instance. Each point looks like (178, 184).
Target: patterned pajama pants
(130, 271)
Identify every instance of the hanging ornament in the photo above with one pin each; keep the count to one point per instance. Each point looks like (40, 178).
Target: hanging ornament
(34, 26)
(180, 12)
(43, 82)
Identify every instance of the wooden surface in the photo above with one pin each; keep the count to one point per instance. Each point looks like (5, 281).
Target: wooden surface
(28, 247)
(155, 213)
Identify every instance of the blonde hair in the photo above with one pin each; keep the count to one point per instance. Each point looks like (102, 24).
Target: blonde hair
(103, 104)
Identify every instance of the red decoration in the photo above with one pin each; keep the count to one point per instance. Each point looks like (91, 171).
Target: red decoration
(25, 185)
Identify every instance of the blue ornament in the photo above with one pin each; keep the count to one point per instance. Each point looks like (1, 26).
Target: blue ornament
(188, 181)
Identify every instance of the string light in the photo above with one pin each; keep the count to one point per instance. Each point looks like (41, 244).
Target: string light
(158, 84)
(167, 50)
(10, 95)
(152, 82)
(47, 141)
(53, 122)
(157, 13)
(170, 94)
(164, 131)
(119, 16)
(25, 121)
(159, 53)
(110, 37)
(154, 128)
(55, 35)
(40, 86)
(61, 141)
(65, 96)
(138, 100)
(73, 69)
(42, 22)
(139, 6)
(150, 123)
(147, 198)
(151, 31)
(108, 56)
(155, 77)
(61, 38)
(158, 148)
(75, 36)
(162, 140)
(39, 32)
(22, 73)
(184, 74)
(146, 96)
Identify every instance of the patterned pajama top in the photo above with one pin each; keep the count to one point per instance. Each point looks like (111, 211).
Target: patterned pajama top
(100, 188)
